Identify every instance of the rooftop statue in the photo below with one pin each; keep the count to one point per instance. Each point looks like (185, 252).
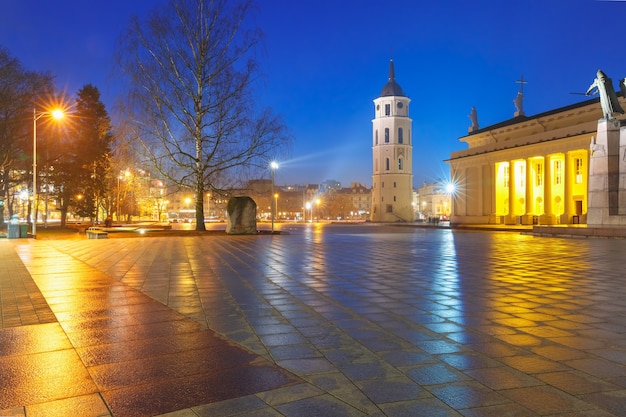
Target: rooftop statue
(474, 119)
(519, 99)
(519, 103)
(608, 99)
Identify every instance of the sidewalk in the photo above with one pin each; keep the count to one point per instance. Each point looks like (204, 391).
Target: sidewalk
(327, 320)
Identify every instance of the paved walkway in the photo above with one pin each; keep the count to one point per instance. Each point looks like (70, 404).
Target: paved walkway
(351, 320)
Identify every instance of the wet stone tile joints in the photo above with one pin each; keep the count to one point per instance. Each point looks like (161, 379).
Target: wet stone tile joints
(374, 320)
(115, 350)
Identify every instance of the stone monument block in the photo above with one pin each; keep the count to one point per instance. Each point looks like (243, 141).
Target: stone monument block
(241, 216)
(604, 174)
(622, 171)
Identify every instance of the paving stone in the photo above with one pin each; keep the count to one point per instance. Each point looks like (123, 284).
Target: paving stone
(378, 320)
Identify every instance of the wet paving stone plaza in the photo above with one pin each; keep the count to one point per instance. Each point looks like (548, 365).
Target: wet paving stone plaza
(327, 320)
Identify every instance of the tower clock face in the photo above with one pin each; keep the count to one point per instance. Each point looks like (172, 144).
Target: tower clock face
(400, 105)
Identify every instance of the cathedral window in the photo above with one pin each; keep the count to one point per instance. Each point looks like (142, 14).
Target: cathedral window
(578, 167)
(539, 175)
(558, 174)
(506, 177)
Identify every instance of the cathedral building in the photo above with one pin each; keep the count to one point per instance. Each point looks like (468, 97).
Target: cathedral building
(392, 152)
(527, 170)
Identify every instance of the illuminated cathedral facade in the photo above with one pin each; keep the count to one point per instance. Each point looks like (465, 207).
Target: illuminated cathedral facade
(527, 170)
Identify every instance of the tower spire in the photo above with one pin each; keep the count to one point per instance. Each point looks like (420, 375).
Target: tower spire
(391, 88)
(392, 72)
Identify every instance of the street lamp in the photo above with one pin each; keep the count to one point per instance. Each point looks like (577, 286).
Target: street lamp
(274, 167)
(55, 114)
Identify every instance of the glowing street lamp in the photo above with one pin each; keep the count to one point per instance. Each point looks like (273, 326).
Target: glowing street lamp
(274, 167)
(55, 114)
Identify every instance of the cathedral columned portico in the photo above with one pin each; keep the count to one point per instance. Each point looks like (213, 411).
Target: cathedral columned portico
(563, 166)
(546, 189)
(527, 170)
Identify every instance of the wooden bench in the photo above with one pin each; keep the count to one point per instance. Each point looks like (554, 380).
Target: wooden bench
(96, 233)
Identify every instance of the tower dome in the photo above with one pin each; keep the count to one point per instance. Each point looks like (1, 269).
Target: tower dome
(392, 88)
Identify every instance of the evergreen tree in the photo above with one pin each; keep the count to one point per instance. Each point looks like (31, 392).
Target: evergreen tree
(82, 170)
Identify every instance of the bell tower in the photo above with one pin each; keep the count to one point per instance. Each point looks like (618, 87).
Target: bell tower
(392, 152)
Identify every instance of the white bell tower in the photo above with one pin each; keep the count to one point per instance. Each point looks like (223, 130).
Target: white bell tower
(392, 152)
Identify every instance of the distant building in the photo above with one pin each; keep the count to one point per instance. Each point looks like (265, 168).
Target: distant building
(392, 153)
(330, 185)
(359, 198)
(433, 201)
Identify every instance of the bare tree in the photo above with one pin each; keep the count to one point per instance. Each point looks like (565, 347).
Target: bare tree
(20, 92)
(192, 70)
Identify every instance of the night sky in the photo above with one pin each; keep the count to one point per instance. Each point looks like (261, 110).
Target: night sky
(325, 61)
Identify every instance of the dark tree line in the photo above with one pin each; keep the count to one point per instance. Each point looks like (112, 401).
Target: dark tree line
(192, 72)
(73, 155)
(84, 173)
(20, 91)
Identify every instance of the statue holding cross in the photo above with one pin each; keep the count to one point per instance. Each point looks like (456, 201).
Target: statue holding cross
(603, 85)
(519, 100)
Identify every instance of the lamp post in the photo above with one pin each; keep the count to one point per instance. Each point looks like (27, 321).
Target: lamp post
(276, 204)
(273, 166)
(56, 114)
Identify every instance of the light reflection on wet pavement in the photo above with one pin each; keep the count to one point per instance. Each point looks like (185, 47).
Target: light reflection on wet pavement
(373, 320)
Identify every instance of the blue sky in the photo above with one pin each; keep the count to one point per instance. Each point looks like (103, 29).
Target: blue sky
(325, 61)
